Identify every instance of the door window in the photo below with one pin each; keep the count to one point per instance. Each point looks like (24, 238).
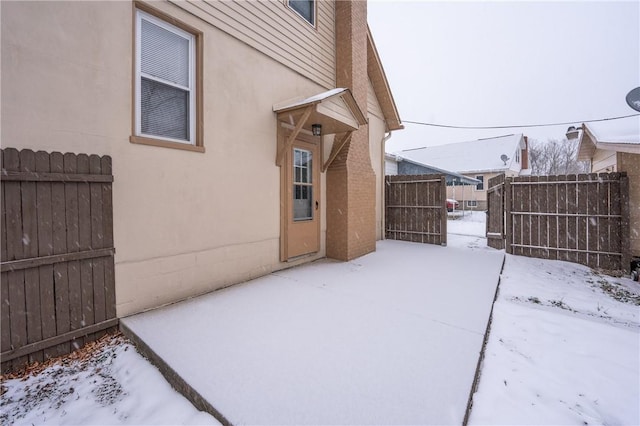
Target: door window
(302, 185)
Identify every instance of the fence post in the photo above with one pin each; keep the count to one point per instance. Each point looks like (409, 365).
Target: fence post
(625, 230)
(507, 214)
(443, 205)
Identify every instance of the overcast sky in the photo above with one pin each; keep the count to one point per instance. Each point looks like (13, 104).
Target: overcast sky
(505, 63)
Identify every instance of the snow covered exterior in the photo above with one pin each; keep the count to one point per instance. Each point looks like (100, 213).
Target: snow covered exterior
(390, 165)
(201, 212)
(404, 166)
(615, 147)
(480, 159)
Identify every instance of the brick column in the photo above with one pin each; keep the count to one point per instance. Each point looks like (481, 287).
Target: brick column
(351, 181)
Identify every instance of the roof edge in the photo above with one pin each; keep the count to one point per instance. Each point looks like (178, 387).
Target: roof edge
(381, 88)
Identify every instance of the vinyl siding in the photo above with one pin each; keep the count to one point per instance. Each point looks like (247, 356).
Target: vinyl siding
(373, 106)
(272, 28)
(603, 161)
(390, 167)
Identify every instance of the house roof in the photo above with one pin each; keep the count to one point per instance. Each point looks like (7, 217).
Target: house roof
(381, 87)
(465, 180)
(614, 135)
(477, 156)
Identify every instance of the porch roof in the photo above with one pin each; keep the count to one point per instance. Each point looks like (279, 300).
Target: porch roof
(336, 110)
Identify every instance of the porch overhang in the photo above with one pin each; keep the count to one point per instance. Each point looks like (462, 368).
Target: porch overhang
(336, 110)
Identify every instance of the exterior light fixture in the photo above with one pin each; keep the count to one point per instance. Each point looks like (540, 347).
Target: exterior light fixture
(316, 129)
(573, 132)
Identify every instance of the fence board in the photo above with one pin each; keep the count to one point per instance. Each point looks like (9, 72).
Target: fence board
(73, 246)
(107, 231)
(5, 318)
(15, 251)
(552, 207)
(60, 270)
(97, 241)
(84, 239)
(45, 248)
(579, 218)
(57, 251)
(495, 228)
(584, 193)
(30, 249)
(415, 208)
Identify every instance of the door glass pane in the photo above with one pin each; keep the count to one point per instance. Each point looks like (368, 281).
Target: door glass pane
(302, 188)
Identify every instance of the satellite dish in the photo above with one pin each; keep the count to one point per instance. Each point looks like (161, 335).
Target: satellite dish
(504, 159)
(633, 99)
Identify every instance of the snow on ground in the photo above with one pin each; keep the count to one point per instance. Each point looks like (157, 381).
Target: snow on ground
(467, 223)
(113, 384)
(392, 337)
(564, 348)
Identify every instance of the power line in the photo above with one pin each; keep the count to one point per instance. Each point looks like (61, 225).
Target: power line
(512, 127)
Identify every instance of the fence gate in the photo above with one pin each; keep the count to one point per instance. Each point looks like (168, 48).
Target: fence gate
(57, 283)
(577, 218)
(495, 212)
(416, 208)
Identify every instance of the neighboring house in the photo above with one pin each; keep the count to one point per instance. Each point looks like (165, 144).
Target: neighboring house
(480, 159)
(614, 146)
(459, 185)
(208, 110)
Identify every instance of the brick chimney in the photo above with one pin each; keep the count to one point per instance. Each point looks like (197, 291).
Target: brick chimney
(351, 191)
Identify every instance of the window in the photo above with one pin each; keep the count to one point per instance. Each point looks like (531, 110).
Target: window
(518, 155)
(472, 203)
(305, 8)
(480, 186)
(167, 99)
(302, 185)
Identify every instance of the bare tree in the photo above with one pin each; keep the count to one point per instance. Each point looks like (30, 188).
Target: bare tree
(555, 157)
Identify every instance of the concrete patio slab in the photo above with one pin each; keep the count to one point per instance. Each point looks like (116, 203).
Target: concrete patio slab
(390, 338)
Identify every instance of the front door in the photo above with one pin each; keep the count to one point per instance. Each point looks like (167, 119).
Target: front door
(303, 199)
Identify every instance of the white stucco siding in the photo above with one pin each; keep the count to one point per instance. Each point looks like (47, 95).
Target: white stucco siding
(184, 222)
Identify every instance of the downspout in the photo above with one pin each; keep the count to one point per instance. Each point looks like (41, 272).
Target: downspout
(385, 138)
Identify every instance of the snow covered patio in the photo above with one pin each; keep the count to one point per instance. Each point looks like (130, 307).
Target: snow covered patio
(390, 338)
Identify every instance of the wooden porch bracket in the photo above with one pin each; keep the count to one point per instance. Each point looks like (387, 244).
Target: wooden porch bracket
(292, 137)
(337, 147)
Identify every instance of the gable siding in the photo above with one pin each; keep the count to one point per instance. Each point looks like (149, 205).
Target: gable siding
(373, 106)
(603, 161)
(272, 28)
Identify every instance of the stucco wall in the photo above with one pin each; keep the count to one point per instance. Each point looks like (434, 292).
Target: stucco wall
(184, 222)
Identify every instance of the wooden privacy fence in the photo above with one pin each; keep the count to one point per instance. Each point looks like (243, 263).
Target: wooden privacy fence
(577, 218)
(57, 270)
(416, 208)
(495, 212)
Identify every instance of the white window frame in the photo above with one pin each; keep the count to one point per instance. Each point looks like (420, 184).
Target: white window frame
(472, 203)
(315, 12)
(140, 15)
(475, 188)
